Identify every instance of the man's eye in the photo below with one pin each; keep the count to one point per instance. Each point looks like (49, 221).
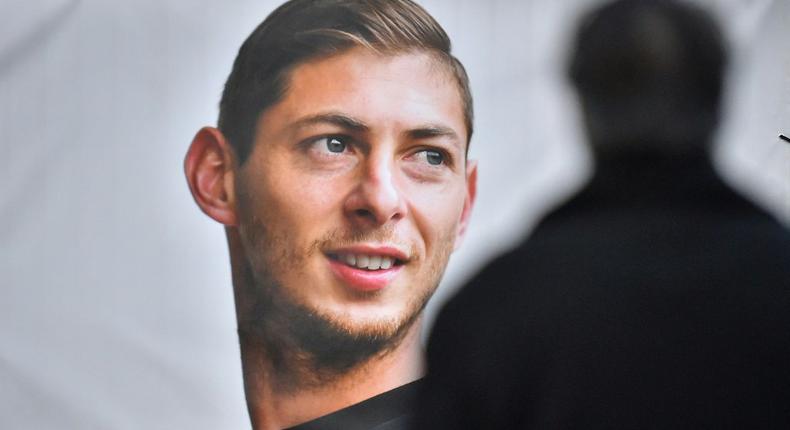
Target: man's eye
(335, 144)
(433, 158)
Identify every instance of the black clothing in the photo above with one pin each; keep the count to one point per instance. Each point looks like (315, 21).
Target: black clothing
(657, 298)
(390, 410)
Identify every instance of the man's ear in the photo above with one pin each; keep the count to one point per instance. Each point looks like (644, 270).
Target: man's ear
(469, 201)
(209, 168)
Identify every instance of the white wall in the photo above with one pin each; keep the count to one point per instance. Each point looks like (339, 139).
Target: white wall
(115, 299)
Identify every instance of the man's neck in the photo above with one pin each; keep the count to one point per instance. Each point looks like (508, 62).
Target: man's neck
(271, 408)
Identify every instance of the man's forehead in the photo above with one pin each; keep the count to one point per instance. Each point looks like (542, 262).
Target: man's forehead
(368, 88)
(360, 66)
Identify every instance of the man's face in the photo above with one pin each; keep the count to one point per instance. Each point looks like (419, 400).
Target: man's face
(357, 189)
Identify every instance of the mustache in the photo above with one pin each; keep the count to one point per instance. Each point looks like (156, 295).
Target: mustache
(340, 238)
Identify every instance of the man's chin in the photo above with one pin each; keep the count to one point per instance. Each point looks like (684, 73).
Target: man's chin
(356, 334)
(317, 345)
(365, 319)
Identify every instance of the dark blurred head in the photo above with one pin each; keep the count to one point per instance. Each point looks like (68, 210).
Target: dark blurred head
(304, 30)
(649, 73)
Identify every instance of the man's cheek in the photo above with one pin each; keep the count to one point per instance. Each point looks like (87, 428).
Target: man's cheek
(313, 197)
(441, 210)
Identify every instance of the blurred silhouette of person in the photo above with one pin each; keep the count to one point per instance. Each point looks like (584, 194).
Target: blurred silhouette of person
(657, 297)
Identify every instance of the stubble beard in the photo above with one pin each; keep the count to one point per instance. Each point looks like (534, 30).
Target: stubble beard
(303, 347)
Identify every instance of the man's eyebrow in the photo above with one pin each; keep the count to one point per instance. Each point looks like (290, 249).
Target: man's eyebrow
(333, 118)
(431, 131)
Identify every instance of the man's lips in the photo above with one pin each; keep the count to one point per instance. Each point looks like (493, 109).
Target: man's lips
(367, 268)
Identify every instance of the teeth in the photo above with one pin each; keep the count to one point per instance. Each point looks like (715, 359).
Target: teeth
(362, 261)
(369, 262)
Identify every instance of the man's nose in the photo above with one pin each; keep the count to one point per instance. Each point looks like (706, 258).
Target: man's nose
(377, 198)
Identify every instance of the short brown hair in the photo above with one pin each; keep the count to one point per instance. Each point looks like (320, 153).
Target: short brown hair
(301, 30)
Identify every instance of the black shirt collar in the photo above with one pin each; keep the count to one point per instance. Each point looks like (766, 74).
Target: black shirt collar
(387, 411)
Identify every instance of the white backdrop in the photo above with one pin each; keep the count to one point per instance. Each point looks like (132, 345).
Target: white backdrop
(115, 298)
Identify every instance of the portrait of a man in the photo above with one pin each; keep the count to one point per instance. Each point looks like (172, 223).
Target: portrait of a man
(339, 171)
